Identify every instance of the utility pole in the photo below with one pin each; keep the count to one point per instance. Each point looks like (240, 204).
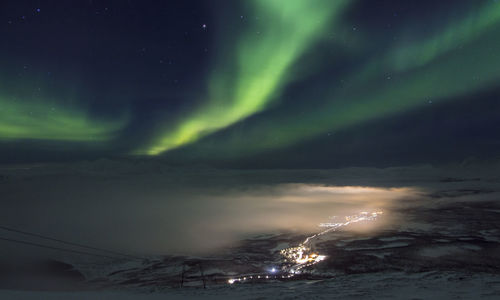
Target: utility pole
(202, 275)
(182, 275)
(193, 264)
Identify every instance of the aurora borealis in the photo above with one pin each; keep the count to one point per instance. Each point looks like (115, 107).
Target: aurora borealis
(262, 57)
(240, 149)
(249, 80)
(427, 69)
(35, 121)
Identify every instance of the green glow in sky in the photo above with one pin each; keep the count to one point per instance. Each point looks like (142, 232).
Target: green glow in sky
(287, 73)
(407, 55)
(44, 121)
(262, 60)
(458, 60)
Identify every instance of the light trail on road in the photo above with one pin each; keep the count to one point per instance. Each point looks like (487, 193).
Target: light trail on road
(302, 255)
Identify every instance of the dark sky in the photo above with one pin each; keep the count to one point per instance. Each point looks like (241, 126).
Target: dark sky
(263, 83)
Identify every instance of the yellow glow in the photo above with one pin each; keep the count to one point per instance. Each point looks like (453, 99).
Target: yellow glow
(300, 255)
(351, 189)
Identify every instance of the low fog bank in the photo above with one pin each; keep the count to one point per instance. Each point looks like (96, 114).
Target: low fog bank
(147, 207)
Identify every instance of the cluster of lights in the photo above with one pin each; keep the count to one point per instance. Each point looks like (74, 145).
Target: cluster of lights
(301, 256)
(242, 279)
(362, 216)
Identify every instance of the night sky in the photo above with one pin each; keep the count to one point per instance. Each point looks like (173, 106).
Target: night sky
(262, 83)
(250, 136)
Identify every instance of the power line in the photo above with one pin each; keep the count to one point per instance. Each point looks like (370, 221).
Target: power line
(66, 242)
(54, 248)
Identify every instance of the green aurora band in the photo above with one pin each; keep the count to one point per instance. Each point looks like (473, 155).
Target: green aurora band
(255, 66)
(43, 121)
(263, 57)
(460, 59)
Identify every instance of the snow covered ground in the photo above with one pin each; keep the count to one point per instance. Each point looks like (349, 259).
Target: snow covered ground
(438, 237)
(394, 285)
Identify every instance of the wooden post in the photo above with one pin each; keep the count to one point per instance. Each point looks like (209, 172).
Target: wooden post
(202, 276)
(182, 276)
